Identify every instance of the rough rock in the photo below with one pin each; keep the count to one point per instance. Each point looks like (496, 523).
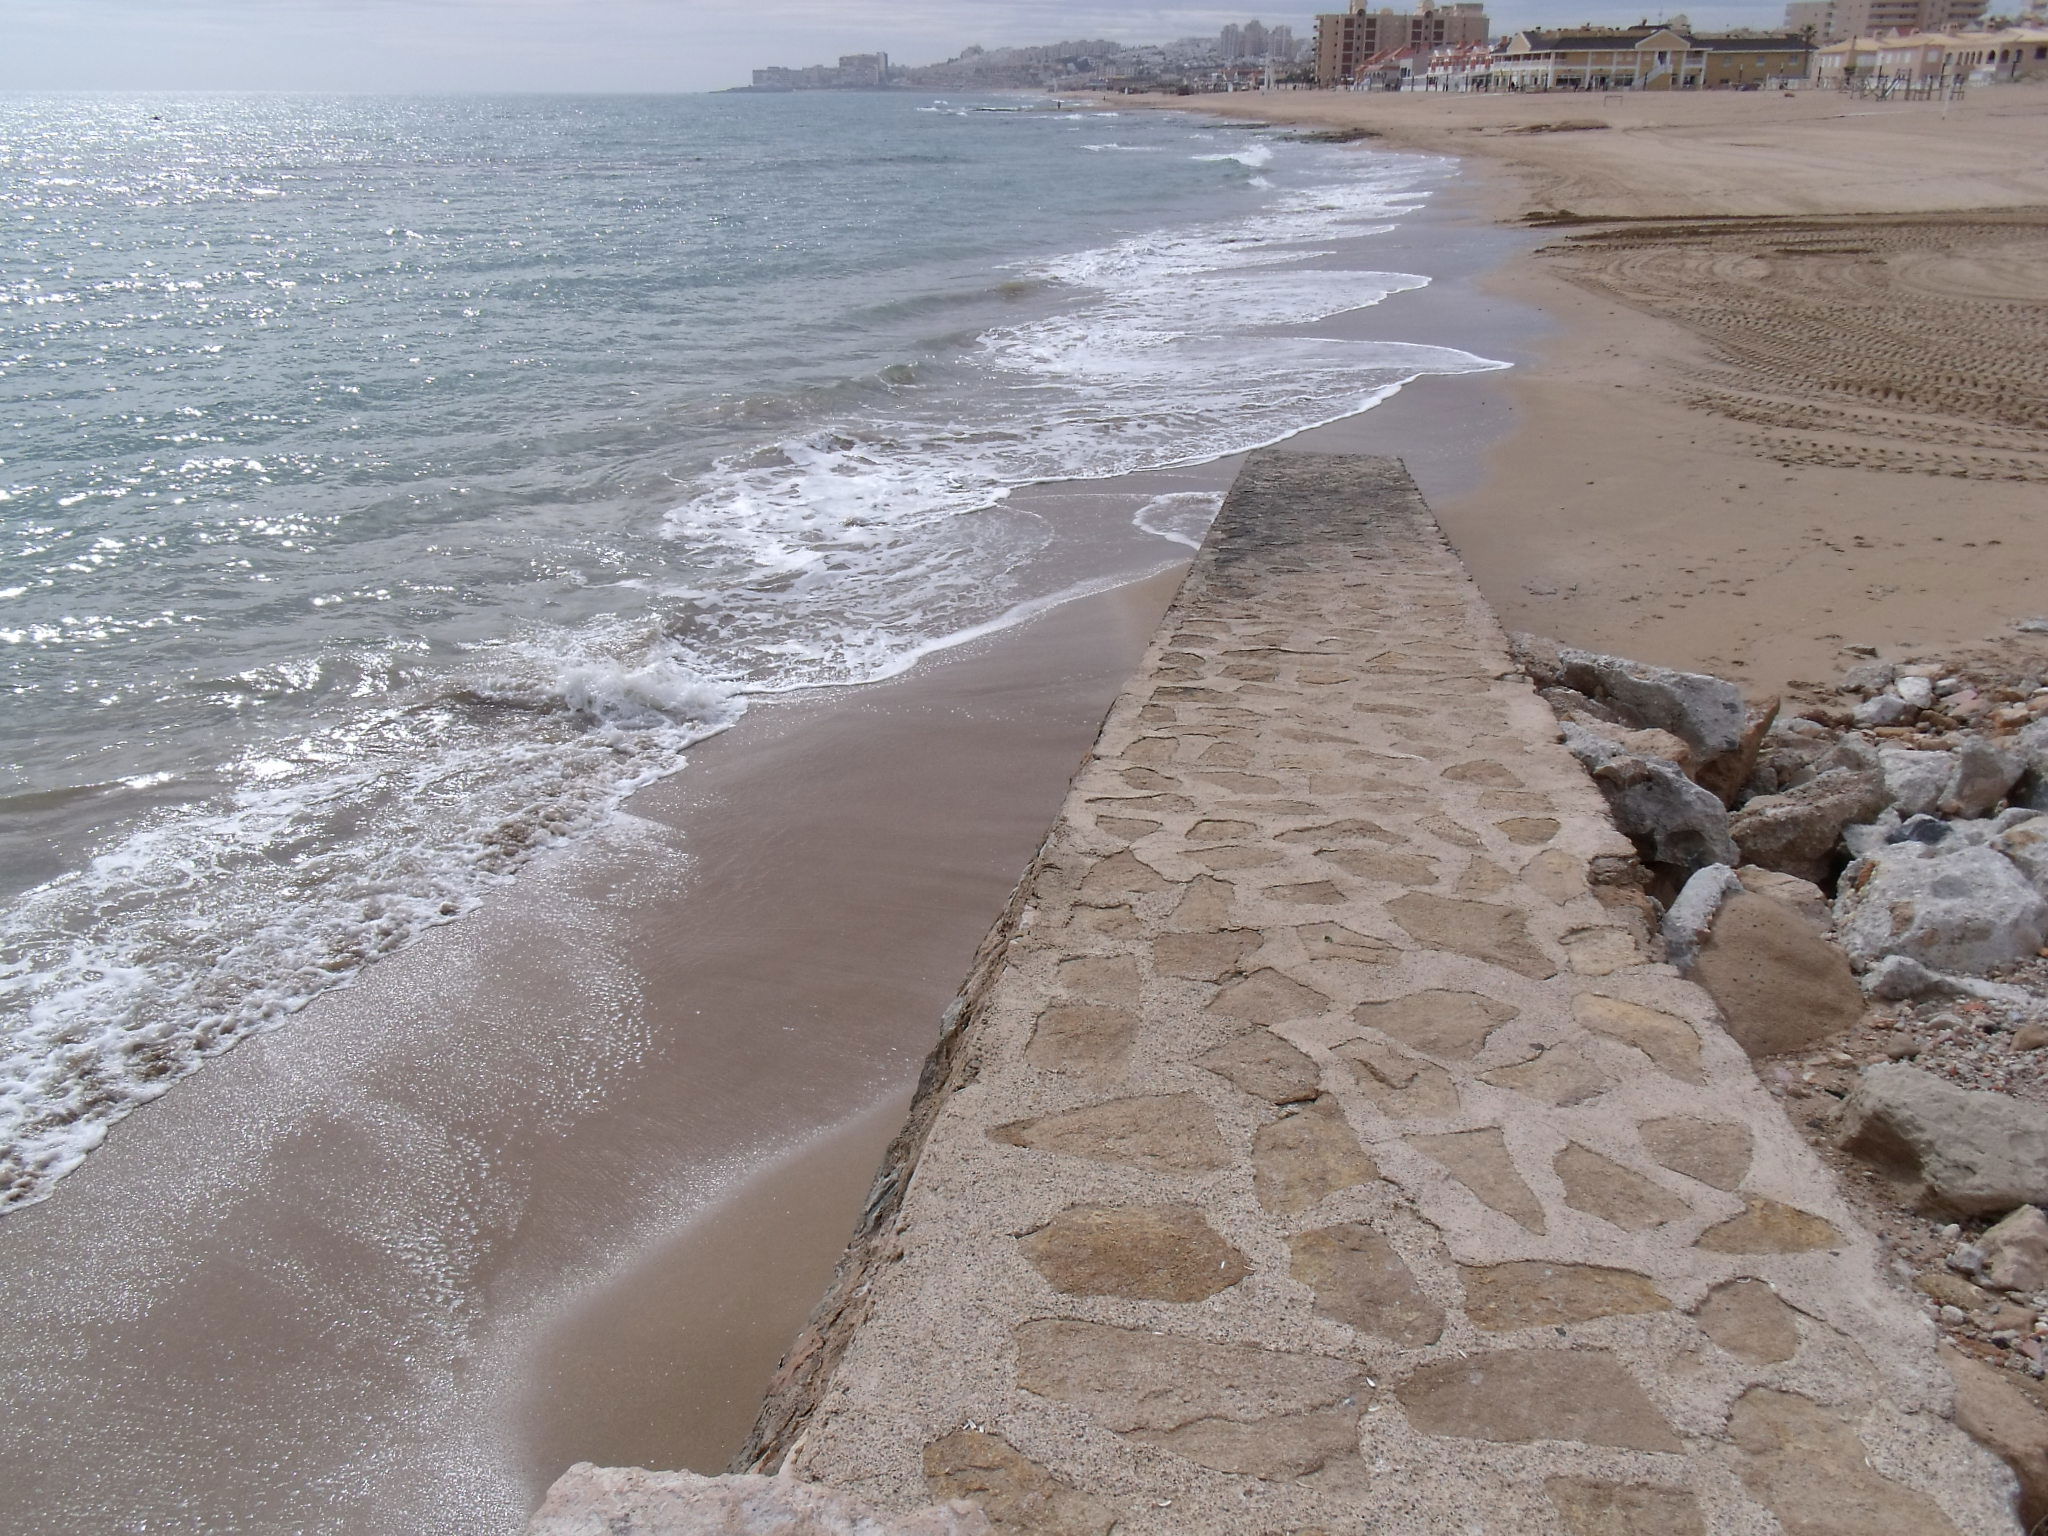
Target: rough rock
(1959, 1151)
(628, 1501)
(1895, 978)
(1541, 658)
(1780, 986)
(1869, 677)
(1983, 774)
(2032, 747)
(1727, 775)
(1802, 896)
(1884, 709)
(2011, 1256)
(1799, 830)
(2008, 1423)
(1915, 780)
(1866, 838)
(1019, 1497)
(2026, 844)
(1705, 712)
(1670, 819)
(1691, 914)
(1970, 910)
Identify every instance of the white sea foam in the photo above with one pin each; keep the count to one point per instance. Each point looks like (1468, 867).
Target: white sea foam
(1252, 156)
(1180, 517)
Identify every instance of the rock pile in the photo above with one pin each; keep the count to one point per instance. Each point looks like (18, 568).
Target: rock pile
(1862, 885)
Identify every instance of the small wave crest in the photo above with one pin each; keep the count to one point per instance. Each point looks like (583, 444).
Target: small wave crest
(1253, 157)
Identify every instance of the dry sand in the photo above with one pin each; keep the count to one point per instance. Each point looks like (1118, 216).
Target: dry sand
(1750, 442)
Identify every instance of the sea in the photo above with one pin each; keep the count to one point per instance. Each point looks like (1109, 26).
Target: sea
(391, 486)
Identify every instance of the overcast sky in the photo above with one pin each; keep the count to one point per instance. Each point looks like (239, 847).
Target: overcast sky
(602, 45)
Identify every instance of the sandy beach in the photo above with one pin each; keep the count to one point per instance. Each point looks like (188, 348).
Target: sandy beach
(1789, 401)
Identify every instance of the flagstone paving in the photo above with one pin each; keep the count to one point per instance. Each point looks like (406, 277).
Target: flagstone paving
(1321, 1150)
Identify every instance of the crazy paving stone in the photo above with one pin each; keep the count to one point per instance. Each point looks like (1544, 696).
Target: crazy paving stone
(1589, 1507)
(1556, 1074)
(1231, 1203)
(1496, 934)
(1667, 1040)
(1133, 1380)
(1540, 1293)
(1122, 874)
(1205, 906)
(1746, 1318)
(1269, 997)
(1535, 1394)
(1333, 941)
(1139, 1252)
(1453, 1024)
(1082, 1037)
(1479, 1160)
(1806, 1465)
(1301, 1158)
(1266, 1067)
(1602, 1187)
(1404, 1087)
(1020, 1497)
(1277, 1450)
(1715, 1152)
(1171, 1132)
(1204, 956)
(1360, 1279)
(1769, 1226)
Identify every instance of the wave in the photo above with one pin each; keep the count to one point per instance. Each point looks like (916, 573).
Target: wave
(1253, 157)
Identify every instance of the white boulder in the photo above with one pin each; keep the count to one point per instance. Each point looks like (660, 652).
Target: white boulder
(1967, 910)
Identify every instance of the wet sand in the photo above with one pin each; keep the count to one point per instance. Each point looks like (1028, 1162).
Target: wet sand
(562, 1181)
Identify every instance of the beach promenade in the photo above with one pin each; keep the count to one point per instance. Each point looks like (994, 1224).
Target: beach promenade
(1320, 1146)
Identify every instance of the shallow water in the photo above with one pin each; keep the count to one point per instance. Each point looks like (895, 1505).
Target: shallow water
(389, 486)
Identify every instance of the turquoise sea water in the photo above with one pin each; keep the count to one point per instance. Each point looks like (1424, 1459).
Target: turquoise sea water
(388, 486)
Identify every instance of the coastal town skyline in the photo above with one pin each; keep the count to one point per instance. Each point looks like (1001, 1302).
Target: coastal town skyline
(613, 45)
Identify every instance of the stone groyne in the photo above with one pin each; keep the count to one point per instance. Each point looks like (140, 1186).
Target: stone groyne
(1320, 1147)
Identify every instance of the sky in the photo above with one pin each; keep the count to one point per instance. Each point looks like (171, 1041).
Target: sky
(598, 45)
